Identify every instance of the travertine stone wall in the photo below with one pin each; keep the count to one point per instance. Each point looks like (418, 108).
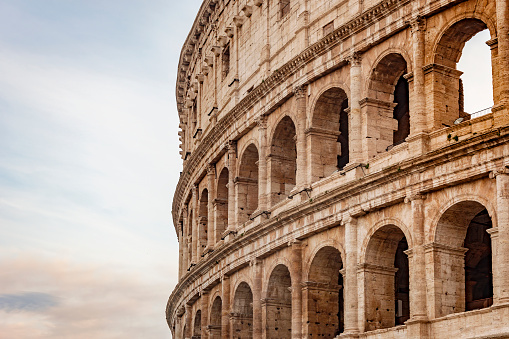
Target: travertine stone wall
(328, 188)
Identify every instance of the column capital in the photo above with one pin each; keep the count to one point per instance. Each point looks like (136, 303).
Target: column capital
(412, 197)
(194, 189)
(255, 262)
(499, 171)
(300, 91)
(211, 169)
(417, 24)
(296, 244)
(184, 211)
(261, 122)
(231, 146)
(354, 59)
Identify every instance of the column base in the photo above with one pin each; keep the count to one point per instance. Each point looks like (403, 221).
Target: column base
(418, 143)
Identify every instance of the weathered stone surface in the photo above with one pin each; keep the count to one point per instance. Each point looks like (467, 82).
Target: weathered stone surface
(328, 188)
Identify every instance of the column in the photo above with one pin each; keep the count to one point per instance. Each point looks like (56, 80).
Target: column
(418, 111)
(225, 309)
(256, 268)
(211, 220)
(204, 314)
(296, 269)
(417, 324)
(501, 257)
(354, 116)
(194, 219)
(350, 281)
(189, 319)
(262, 163)
(416, 259)
(301, 95)
(503, 49)
(232, 169)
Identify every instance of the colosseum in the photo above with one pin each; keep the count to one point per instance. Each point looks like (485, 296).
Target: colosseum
(333, 185)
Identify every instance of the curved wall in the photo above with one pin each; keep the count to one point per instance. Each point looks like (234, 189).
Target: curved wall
(332, 182)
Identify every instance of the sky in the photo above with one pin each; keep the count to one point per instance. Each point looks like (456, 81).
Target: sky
(88, 166)
(89, 161)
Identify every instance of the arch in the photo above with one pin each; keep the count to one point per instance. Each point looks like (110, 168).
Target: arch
(221, 203)
(215, 318)
(203, 220)
(447, 95)
(455, 201)
(463, 277)
(387, 104)
(328, 134)
(242, 317)
(247, 183)
(278, 304)
(197, 325)
(282, 161)
(323, 293)
(386, 277)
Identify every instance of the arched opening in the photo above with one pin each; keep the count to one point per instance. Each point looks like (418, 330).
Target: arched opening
(323, 293)
(203, 214)
(278, 304)
(386, 277)
(247, 184)
(478, 263)
(328, 134)
(242, 316)
(282, 161)
(221, 204)
(476, 82)
(215, 319)
(464, 279)
(387, 105)
(197, 325)
(447, 86)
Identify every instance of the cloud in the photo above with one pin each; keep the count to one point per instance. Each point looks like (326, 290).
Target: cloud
(79, 301)
(29, 301)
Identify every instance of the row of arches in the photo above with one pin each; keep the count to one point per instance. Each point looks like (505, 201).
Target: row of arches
(387, 123)
(463, 274)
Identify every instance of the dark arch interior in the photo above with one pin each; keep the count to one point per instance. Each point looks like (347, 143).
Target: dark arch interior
(283, 160)
(242, 317)
(222, 203)
(247, 182)
(325, 294)
(478, 263)
(279, 304)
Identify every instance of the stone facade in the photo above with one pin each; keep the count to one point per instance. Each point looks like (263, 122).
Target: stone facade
(329, 187)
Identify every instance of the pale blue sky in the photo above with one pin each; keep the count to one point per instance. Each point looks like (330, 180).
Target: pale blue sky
(88, 165)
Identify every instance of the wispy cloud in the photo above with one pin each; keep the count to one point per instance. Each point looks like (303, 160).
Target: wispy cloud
(28, 301)
(79, 300)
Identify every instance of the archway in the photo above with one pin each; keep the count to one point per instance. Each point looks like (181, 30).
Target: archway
(221, 204)
(203, 216)
(447, 91)
(323, 294)
(247, 184)
(387, 105)
(278, 304)
(282, 162)
(463, 278)
(215, 319)
(386, 277)
(197, 325)
(328, 134)
(242, 316)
